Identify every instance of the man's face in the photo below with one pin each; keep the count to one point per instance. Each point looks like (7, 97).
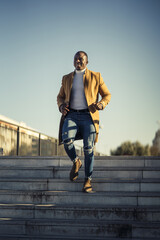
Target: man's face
(80, 61)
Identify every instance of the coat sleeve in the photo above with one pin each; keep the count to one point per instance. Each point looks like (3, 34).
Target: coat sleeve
(104, 92)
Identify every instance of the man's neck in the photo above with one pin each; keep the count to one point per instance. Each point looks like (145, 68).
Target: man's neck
(80, 71)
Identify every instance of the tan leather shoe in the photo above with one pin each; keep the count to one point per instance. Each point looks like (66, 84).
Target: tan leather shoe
(75, 168)
(87, 187)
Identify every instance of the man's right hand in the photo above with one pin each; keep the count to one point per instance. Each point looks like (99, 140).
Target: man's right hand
(64, 109)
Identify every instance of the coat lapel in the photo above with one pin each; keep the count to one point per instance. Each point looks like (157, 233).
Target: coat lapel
(70, 83)
(86, 80)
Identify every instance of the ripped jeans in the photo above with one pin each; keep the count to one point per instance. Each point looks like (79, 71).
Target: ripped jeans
(80, 123)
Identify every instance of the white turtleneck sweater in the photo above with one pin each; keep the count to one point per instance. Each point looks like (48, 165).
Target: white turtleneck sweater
(78, 99)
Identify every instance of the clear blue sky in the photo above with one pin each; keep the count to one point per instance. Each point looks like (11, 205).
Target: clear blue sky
(38, 39)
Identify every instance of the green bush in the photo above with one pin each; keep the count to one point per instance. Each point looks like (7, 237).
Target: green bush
(132, 149)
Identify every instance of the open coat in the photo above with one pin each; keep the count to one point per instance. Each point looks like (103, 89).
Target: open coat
(93, 86)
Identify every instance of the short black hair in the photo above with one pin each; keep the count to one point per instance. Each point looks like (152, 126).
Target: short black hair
(83, 53)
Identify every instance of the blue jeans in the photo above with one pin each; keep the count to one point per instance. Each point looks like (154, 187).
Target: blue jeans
(80, 123)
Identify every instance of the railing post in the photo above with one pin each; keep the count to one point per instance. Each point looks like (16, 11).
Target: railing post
(17, 141)
(57, 147)
(39, 145)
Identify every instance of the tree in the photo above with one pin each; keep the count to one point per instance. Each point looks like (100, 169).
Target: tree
(132, 149)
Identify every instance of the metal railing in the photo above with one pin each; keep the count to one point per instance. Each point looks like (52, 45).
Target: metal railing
(18, 140)
(23, 141)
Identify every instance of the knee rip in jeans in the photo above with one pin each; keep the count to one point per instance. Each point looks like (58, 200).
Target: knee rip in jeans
(66, 140)
(68, 143)
(88, 149)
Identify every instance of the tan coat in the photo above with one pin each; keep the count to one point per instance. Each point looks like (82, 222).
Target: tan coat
(93, 86)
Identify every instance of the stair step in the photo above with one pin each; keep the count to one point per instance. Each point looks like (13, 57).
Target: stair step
(81, 211)
(59, 237)
(118, 161)
(62, 237)
(66, 197)
(38, 201)
(63, 172)
(80, 228)
(98, 184)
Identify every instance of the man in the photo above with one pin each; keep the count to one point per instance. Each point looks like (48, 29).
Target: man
(78, 102)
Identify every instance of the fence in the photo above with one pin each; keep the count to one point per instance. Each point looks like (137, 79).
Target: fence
(22, 141)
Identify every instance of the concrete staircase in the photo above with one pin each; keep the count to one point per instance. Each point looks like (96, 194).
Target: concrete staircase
(37, 200)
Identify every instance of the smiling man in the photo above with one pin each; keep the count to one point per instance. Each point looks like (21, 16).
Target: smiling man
(78, 102)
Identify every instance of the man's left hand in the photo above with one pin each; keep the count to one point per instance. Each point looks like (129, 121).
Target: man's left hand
(99, 106)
